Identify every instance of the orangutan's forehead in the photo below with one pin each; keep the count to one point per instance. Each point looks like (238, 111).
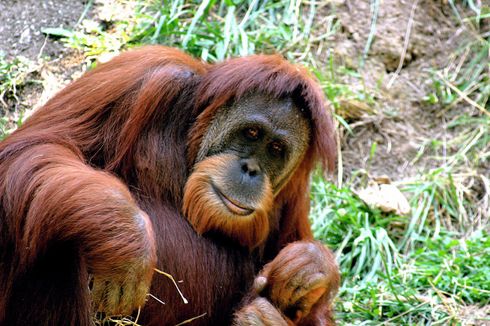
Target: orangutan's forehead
(280, 112)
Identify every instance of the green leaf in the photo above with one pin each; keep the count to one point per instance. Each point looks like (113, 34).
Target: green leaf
(57, 31)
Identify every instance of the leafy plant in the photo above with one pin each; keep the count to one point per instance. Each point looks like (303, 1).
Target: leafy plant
(13, 75)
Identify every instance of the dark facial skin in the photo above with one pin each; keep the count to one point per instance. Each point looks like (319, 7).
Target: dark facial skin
(268, 137)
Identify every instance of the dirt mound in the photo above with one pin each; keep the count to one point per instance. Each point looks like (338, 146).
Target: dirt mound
(394, 45)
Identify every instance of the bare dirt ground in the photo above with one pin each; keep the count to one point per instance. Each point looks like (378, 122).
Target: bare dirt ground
(403, 121)
(54, 65)
(21, 22)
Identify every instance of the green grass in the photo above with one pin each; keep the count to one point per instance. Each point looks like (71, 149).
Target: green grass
(358, 233)
(212, 30)
(465, 83)
(13, 77)
(385, 280)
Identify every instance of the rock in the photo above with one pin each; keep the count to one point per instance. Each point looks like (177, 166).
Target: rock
(387, 197)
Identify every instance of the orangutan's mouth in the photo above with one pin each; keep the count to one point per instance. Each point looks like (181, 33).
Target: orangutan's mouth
(232, 205)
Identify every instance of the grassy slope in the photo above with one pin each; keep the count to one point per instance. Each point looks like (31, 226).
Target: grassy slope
(421, 269)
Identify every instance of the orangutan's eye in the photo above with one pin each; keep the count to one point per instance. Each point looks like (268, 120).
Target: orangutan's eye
(252, 133)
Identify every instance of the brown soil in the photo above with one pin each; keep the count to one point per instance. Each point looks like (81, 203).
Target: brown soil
(21, 22)
(403, 121)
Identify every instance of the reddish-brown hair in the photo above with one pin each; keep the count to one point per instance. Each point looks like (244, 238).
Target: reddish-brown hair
(274, 76)
(206, 214)
(134, 125)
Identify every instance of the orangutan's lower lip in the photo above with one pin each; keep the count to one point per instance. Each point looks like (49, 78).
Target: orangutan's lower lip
(232, 205)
